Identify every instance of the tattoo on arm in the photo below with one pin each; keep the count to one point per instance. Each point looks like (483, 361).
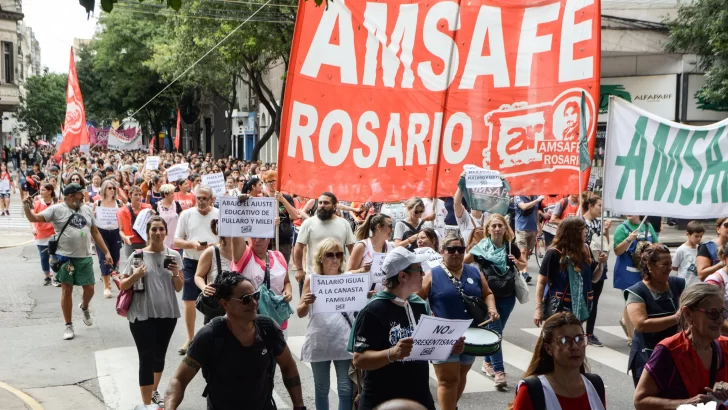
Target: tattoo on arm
(292, 382)
(195, 365)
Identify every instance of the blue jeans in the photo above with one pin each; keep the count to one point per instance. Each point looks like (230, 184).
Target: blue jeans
(321, 372)
(505, 307)
(44, 258)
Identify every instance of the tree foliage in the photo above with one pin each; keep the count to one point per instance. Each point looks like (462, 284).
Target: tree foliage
(701, 27)
(43, 105)
(108, 5)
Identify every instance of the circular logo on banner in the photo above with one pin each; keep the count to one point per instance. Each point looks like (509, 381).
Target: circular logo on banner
(470, 281)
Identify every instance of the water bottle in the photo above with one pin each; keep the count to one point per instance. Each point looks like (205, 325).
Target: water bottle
(137, 262)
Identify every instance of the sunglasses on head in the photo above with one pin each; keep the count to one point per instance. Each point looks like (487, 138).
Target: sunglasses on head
(455, 249)
(714, 314)
(247, 298)
(331, 255)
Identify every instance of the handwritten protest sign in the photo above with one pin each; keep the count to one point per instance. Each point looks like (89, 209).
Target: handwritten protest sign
(434, 337)
(476, 177)
(254, 218)
(216, 182)
(339, 293)
(377, 276)
(140, 225)
(106, 216)
(152, 163)
(4, 185)
(177, 172)
(434, 260)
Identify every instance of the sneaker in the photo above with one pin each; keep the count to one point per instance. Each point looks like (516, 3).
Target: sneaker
(86, 315)
(55, 283)
(107, 293)
(488, 369)
(526, 277)
(592, 340)
(157, 399)
(500, 380)
(183, 349)
(47, 281)
(68, 334)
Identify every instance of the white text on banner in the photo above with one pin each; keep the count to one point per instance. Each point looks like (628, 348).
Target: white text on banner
(254, 218)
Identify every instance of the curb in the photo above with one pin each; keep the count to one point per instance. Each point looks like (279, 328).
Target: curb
(14, 245)
(29, 401)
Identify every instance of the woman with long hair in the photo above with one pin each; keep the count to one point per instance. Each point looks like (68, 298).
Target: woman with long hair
(207, 268)
(560, 370)
(153, 313)
(443, 286)
(327, 334)
(94, 188)
(21, 180)
(153, 195)
(405, 232)
(42, 232)
(372, 238)
(127, 216)
(567, 268)
(6, 185)
(652, 305)
(596, 234)
(169, 209)
(253, 188)
(105, 211)
(679, 369)
(708, 260)
(183, 195)
(494, 255)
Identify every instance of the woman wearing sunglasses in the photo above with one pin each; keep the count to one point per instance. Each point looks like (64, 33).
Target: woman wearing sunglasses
(154, 312)
(405, 232)
(557, 377)
(568, 265)
(207, 267)
(372, 238)
(105, 211)
(708, 260)
(720, 278)
(440, 286)
(494, 255)
(327, 334)
(652, 305)
(690, 366)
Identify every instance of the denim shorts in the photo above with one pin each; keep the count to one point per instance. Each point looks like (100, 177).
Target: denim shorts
(463, 359)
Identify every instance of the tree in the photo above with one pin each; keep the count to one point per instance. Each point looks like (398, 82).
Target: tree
(108, 5)
(701, 28)
(43, 105)
(246, 56)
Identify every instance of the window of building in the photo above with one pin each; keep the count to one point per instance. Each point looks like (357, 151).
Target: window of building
(8, 64)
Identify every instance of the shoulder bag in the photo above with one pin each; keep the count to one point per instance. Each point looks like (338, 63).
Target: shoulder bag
(209, 305)
(270, 304)
(477, 309)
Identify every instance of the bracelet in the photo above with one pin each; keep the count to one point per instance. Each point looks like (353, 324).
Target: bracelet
(388, 357)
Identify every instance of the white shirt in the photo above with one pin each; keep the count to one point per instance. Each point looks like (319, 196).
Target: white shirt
(441, 212)
(195, 227)
(684, 261)
(314, 230)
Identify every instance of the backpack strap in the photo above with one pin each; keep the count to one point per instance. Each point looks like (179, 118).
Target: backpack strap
(217, 259)
(535, 392)
(218, 339)
(598, 384)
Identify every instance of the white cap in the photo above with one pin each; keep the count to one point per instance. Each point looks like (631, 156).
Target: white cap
(400, 259)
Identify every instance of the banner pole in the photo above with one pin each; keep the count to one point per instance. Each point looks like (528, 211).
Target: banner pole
(604, 170)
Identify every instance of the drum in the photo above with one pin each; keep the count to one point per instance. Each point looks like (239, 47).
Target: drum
(481, 342)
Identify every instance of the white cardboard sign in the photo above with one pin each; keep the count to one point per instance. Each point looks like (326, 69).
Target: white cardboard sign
(216, 182)
(177, 172)
(152, 163)
(435, 336)
(140, 225)
(254, 218)
(339, 293)
(476, 177)
(435, 258)
(377, 276)
(106, 216)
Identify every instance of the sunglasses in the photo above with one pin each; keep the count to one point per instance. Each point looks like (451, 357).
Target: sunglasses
(725, 224)
(419, 212)
(565, 341)
(455, 249)
(247, 298)
(75, 179)
(332, 255)
(714, 314)
(111, 188)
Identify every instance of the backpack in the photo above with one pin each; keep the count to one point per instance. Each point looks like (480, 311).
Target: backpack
(266, 326)
(538, 400)
(712, 248)
(411, 230)
(502, 284)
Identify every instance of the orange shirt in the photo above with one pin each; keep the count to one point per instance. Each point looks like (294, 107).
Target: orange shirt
(186, 201)
(42, 230)
(124, 217)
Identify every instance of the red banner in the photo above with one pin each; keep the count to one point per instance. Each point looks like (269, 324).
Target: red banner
(74, 130)
(386, 100)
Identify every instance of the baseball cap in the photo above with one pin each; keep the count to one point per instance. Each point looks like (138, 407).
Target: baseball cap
(72, 189)
(53, 168)
(399, 259)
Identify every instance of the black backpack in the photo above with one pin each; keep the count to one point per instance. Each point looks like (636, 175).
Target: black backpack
(538, 400)
(502, 284)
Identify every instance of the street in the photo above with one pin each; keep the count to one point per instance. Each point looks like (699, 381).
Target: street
(98, 369)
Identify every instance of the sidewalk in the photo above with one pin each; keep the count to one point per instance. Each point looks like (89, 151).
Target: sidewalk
(9, 401)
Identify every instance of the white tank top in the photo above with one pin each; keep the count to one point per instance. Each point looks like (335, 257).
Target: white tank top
(253, 268)
(108, 227)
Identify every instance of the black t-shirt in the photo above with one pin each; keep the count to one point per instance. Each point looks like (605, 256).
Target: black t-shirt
(286, 229)
(379, 326)
(237, 375)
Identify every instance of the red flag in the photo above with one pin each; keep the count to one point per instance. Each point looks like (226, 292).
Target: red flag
(176, 138)
(151, 145)
(75, 132)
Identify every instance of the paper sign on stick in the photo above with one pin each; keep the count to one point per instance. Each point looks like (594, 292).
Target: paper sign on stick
(216, 182)
(152, 163)
(434, 337)
(140, 225)
(339, 293)
(106, 216)
(177, 172)
(254, 218)
(377, 276)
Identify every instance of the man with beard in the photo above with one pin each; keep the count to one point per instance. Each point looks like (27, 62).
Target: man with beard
(314, 230)
(76, 227)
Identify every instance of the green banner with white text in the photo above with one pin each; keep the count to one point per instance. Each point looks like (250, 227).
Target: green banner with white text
(657, 167)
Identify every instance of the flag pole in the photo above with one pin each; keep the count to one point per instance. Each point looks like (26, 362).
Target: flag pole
(605, 173)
